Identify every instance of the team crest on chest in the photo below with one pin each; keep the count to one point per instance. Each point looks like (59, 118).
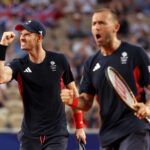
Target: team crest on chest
(53, 65)
(124, 58)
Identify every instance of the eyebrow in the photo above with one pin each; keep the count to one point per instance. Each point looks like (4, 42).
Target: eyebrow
(26, 32)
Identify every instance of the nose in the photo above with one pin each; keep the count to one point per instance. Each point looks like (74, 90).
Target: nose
(21, 37)
(97, 27)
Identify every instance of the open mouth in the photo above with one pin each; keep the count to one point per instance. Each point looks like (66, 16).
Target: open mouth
(98, 36)
(23, 44)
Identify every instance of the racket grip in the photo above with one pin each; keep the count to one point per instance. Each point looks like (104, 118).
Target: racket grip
(81, 144)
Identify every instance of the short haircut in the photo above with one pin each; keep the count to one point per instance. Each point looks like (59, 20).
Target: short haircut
(113, 13)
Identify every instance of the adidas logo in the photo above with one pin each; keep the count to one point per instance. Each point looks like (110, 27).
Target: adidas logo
(27, 70)
(97, 66)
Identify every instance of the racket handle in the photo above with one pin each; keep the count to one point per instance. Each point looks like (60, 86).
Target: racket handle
(81, 144)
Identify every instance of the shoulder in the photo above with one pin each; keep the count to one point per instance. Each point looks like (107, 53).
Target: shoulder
(56, 55)
(132, 47)
(20, 60)
(18, 63)
(136, 52)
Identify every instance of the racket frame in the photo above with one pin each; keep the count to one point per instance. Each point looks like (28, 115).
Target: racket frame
(147, 119)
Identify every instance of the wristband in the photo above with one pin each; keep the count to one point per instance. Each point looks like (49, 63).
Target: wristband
(75, 102)
(2, 52)
(78, 119)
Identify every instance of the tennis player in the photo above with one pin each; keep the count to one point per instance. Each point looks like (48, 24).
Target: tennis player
(121, 129)
(39, 75)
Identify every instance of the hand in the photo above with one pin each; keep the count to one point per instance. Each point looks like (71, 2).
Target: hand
(7, 38)
(143, 110)
(67, 96)
(80, 134)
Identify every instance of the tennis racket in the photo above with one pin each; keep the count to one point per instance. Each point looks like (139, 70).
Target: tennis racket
(80, 144)
(122, 89)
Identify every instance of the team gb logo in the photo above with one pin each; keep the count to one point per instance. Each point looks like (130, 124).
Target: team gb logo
(52, 65)
(124, 58)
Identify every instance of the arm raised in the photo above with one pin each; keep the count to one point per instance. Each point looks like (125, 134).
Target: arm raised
(5, 71)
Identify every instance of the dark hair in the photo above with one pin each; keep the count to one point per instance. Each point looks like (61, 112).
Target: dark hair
(113, 13)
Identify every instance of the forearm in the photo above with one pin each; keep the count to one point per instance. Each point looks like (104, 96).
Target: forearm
(79, 124)
(84, 103)
(148, 100)
(5, 71)
(2, 66)
(78, 118)
(3, 48)
(147, 92)
(144, 108)
(148, 97)
(2, 62)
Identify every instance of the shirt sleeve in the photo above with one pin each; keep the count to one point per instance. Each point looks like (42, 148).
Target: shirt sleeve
(67, 74)
(86, 85)
(144, 66)
(14, 65)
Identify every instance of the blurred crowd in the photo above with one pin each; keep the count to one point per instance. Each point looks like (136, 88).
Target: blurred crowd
(68, 25)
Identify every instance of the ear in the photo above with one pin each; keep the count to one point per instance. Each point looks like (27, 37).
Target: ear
(117, 27)
(39, 37)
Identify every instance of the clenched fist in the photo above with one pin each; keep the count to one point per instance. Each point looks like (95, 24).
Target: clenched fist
(7, 38)
(67, 96)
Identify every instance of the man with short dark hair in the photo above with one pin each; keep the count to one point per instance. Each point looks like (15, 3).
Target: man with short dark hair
(120, 129)
(39, 75)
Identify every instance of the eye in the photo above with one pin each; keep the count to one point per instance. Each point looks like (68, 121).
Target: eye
(27, 34)
(93, 23)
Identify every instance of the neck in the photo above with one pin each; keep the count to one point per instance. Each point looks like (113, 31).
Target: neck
(111, 47)
(37, 55)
